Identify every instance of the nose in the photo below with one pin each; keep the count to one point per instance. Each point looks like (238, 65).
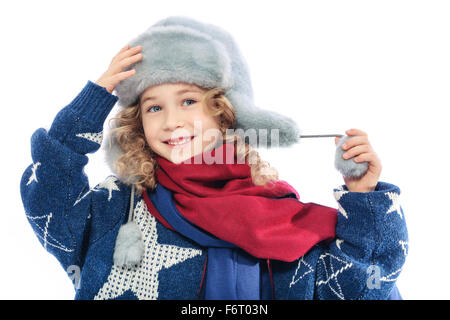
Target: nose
(174, 119)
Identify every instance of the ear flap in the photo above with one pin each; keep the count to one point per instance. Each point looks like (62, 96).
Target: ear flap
(270, 129)
(112, 149)
(129, 248)
(348, 167)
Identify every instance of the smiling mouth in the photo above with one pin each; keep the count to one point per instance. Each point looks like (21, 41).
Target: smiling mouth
(179, 141)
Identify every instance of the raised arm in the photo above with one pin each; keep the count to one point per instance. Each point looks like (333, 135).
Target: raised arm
(55, 190)
(370, 247)
(56, 195)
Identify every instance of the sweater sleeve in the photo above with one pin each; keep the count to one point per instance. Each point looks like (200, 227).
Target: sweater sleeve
(370, 248)
(55, 190)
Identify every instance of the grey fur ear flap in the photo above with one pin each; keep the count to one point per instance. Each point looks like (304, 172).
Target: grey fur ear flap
(266, 128)
(113, 151)
(111, 148)
(129, 248)
(348, 167)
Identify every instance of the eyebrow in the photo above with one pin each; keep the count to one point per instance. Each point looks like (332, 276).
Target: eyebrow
(179, 92)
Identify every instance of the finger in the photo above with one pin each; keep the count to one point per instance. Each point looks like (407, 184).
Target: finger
(355, 141)
(355, 132)
(124, 48)
(336, 140)
(132, 59)
(370, 157)
(123, 75)
(356, 151)
(127, 53)
(120, 65)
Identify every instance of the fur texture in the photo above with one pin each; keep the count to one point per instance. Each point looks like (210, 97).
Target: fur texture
(348, 167)
(129, 248)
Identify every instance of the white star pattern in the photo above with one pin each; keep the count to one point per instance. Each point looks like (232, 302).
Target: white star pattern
(79, 199)
(338, 243)
(33, 173)
(404, 245)
(332, 276)
(109, 184)
(46, 236)
(394, 275)
(337, 195)
(395, 207)
(389, 277)
(142, 280)
(296, 278)
(96, 137)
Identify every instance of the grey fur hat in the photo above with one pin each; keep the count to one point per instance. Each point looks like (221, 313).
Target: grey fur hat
(182, 49)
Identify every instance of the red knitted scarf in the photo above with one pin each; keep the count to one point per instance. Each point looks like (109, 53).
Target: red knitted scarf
(221, 199)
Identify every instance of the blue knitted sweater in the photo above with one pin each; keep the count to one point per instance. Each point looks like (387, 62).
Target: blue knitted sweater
(79, 225)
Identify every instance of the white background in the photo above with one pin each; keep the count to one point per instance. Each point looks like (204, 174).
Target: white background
(380, 66)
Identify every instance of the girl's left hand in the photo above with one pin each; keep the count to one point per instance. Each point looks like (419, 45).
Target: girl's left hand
(360, 148)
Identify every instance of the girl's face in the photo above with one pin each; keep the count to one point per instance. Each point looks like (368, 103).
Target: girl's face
(176, 124)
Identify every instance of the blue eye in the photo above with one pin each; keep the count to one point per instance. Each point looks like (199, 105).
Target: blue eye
(193, 101)
(152, 108)
(156, 106)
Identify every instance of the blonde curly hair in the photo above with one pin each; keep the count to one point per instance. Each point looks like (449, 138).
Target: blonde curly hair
(137, 164)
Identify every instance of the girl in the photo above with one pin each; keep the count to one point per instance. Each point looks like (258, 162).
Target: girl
(192, 211)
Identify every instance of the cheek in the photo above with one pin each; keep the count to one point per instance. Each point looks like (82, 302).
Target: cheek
(211, 131)
(208, 122)
(150, 131)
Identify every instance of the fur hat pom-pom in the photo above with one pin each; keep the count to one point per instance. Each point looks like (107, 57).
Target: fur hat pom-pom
(348, 167)
(129, 248)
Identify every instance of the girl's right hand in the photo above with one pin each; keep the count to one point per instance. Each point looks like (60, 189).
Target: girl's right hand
(114, 74)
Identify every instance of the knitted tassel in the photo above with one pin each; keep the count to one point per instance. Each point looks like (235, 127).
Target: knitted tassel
(129, 248)
(348, 167)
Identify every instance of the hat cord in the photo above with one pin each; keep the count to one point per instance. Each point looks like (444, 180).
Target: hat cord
(130, 212)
